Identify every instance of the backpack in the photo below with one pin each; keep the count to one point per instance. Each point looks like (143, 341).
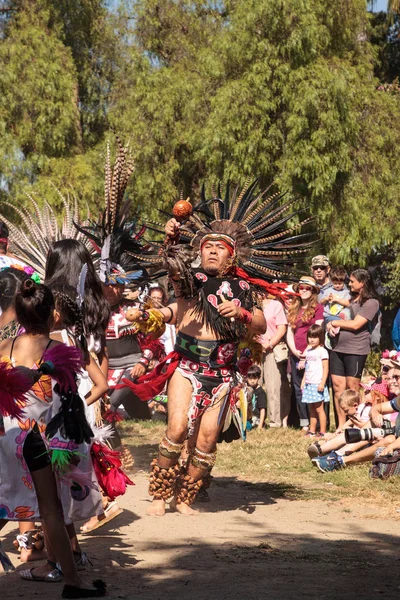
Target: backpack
(374, 328)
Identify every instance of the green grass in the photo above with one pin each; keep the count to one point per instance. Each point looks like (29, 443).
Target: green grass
(276, 457)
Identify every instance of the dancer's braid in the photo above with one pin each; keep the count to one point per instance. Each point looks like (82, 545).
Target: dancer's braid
(73, 316)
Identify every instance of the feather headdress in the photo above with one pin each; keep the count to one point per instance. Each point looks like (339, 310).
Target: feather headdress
(114, 236)
(39, 229)
(264, 232)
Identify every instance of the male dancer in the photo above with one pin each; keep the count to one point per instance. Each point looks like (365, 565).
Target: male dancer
(203, 381)
(240, 242)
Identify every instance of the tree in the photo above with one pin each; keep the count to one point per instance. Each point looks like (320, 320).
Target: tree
(283, 89)
(58, 60)
(38, 99)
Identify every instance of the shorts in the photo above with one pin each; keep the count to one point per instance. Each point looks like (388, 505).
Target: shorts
(346, 365)
(35, 452)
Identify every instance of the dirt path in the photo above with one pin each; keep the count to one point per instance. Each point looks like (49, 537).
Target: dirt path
(246, 545)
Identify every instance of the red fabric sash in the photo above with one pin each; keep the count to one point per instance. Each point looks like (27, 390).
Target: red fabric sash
(275, 289)
(151, 384)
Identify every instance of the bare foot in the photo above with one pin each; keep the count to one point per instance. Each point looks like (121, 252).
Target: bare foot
(32, 554)
(92, 524)
(156, 508)
(183, 509)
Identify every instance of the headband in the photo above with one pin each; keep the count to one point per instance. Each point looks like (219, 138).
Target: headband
(226, 240)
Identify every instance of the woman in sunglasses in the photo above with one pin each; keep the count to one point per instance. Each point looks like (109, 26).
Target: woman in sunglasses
(303, 312)
(348, 358)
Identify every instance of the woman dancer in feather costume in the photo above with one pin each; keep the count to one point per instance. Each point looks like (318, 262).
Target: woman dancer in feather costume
(29, 398)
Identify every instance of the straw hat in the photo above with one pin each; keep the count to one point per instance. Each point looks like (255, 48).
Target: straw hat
(306, 280)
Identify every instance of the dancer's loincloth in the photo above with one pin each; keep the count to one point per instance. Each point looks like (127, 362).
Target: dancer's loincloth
(210, 389)
(209, 366)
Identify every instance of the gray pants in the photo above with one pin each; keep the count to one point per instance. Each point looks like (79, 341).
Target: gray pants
(278, 389)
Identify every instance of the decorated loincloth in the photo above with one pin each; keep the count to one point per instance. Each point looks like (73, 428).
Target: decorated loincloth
(210, 368)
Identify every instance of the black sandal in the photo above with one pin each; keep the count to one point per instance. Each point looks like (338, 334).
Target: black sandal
(72, 591)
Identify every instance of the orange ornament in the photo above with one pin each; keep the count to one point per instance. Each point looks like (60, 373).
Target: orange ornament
(182, 209)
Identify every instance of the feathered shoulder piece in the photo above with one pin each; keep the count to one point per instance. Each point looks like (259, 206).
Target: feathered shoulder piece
(264, 233)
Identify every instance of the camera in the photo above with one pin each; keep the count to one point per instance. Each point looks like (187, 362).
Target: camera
(359, 435)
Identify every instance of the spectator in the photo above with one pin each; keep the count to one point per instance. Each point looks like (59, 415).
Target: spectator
(348, 357)
(159, 298)
(6, 259)
(320, 270)
(357, 413)
(274, 362)
(336, 303)
(315, 391)
(259, 398)
(334, 461)
(396, 331)
(303, 312)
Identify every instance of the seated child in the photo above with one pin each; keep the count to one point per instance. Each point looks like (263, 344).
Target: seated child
(258, 396)
(358, 417)
(336, 303)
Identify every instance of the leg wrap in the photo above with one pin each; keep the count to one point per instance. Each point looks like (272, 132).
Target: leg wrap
(188, 487)
(169, 449)
(162, 481)
(202, 460)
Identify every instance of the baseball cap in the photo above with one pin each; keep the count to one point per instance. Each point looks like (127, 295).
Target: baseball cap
(320, 261)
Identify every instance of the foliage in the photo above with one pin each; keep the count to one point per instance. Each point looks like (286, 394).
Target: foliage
(38, 112)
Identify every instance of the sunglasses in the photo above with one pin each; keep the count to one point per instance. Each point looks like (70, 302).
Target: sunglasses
(395, 377)
(305, 288)
(385, 369)
(319, 268)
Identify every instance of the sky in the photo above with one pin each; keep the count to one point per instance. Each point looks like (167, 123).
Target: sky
(380, 5)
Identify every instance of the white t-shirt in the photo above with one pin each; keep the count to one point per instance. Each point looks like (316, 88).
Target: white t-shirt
(314, 358)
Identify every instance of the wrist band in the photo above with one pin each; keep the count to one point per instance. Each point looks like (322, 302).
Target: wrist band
(245, 316)
(147, 354)
(144, 361)
(171, 315)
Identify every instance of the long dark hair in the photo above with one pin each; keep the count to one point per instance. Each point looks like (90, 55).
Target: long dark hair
(34, 305)
(10, 282)
(368, 291)
(63, 266)
(71, 315)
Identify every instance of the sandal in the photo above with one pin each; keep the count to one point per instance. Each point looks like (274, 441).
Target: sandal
(71, 591)
(109, 515)
(33, 543)
(55, 576)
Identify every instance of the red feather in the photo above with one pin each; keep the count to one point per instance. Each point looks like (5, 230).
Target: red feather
(14, 383)
(65, 362)
(275, 289)
(107, 466)
(155, 346)
(112, 416)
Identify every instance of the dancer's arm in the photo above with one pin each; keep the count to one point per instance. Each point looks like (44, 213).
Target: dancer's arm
(100, 385)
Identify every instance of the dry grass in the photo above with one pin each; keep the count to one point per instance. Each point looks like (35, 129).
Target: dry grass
(276, 457)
